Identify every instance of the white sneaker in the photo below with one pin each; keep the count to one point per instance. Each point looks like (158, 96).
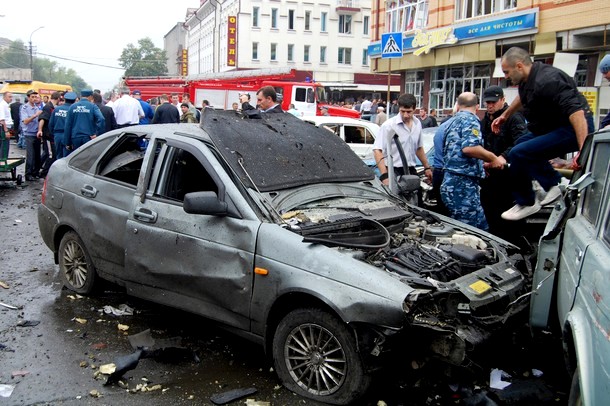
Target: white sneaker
(518, 212)
(550, 196)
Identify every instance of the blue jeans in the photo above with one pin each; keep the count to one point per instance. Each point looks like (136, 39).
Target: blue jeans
(32, 152)
(529, 159)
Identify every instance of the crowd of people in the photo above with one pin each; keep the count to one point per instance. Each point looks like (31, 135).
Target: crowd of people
(482, 171)
(51, 127)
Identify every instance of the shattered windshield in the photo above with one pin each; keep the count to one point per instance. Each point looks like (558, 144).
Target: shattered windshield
(279, 151)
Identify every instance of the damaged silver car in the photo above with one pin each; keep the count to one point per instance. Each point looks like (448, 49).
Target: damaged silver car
(283, 235)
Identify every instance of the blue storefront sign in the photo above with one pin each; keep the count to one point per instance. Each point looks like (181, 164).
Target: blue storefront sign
(480, 29)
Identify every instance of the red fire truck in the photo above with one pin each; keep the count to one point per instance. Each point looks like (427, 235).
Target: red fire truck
(222, 90)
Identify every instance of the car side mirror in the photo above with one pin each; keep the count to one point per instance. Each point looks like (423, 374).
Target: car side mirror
(204, 203)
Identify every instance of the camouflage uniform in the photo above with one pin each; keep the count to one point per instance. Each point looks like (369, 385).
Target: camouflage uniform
(460, 187)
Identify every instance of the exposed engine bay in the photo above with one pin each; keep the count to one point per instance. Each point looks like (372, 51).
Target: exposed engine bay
(463, 283)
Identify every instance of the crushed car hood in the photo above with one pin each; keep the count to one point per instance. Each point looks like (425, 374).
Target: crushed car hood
(277, 151)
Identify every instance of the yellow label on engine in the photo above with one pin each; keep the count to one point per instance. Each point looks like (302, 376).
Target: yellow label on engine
(480, 287)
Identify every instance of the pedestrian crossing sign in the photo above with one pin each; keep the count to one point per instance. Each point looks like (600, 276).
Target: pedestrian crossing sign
(391, 45)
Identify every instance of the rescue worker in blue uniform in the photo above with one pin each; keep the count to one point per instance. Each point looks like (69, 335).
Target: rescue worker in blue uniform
(57, 124)
(463, 153)
(84, 122)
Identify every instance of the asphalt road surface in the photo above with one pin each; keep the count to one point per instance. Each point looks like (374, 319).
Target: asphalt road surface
(53, 344)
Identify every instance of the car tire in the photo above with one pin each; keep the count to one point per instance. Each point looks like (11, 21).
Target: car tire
(575, 398)
(75, 265)
(315, 356)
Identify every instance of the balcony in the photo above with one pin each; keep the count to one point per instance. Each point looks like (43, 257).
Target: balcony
(348, 6)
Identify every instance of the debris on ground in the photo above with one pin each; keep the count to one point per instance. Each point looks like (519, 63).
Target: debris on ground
(253, 402)
(3, 285)
(170, 349)
(19, 373)
(27, 323)
(8, 306)
(230, 396)
(6, 390)
(121, 310)
(6, 348)
(495, 379)
(99, 346)
(122, 327)
(525, 392)
(79, 320)
(95, 393)
(121, 365)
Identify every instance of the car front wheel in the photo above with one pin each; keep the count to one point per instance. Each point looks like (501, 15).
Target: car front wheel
(75, 266)
(315, 356)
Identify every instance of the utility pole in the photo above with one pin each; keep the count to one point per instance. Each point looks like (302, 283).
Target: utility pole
(32, 53)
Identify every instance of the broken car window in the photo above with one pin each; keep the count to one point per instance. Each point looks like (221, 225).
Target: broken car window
(124, 161)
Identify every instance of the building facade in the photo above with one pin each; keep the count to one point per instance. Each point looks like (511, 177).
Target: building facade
(174, 46)
(451, 46)
(323, 40)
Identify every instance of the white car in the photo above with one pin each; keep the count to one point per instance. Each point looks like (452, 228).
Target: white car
(358, 134)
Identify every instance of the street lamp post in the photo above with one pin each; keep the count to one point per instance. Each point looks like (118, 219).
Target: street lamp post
(32, 53)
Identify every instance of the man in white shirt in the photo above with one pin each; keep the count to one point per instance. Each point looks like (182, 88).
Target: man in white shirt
(6, 122)
(127, 110)
(408, 129)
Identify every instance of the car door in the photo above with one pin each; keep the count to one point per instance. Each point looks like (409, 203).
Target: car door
(584, 279)
(200, 263)
(104, 195)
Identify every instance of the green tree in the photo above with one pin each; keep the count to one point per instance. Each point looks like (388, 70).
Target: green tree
(144, 59)
(15, 56)
(45, 70)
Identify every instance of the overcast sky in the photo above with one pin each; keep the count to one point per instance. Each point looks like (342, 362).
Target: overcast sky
(94, 31)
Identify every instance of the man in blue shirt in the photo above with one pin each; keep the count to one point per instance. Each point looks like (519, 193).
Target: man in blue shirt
(29, 124)
(148, 111)
(57, 124)
(83, 122)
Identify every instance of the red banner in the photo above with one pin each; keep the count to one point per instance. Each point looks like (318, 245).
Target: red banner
(232, 41)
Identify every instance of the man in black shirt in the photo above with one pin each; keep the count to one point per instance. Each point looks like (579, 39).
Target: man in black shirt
(558, 118)
(496, 197)
(166, 113)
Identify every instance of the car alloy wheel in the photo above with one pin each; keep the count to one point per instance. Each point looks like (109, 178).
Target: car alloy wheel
(75, 264)
(315, 356)
(315, 359)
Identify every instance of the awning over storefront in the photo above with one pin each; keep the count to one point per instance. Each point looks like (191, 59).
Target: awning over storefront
(478, 52)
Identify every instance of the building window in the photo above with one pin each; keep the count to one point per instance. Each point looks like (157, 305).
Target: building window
(404, 15)
(345, 56)
(274, 52)
(290, 52)
(306, 53)
(323, 54)
(274, 18)
(474, 8)
(447, 83)
(308, 21)
(323, 17)
(291, 19)
(345, 24)
(365, 57)
(365, 25)
(414, 84)
(255, 50)
(255, 13)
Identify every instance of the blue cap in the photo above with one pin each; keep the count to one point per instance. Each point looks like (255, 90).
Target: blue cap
(136, 92)
(604, 66)
(70, 96)
(85, 93)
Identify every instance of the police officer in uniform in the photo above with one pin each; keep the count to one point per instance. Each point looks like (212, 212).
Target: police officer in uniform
(84, 122)
(496, 195)
(57, 124)
(462, 152)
